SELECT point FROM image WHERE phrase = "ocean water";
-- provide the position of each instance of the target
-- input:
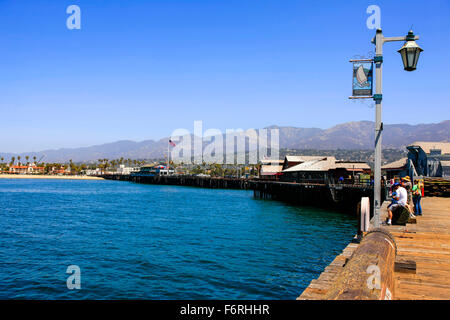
(136, 241)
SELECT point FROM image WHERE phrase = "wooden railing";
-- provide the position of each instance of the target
(369, 273)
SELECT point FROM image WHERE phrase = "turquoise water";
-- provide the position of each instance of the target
(135, 241)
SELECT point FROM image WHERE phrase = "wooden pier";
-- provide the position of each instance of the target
(183, 180)
(335, 196)
(420, 268)
(340, 196)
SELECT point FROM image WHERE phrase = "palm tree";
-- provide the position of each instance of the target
(34, 160)
(18, 160)
(100, 161)
(13, 159)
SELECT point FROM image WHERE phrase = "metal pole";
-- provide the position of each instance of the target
(379, 40)
(378, 125)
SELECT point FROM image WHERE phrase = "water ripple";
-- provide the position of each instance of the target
(135, 241)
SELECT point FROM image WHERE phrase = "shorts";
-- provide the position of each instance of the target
(394, 206)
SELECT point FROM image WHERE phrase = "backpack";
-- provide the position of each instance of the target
(400, 215)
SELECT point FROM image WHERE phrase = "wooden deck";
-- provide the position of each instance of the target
(427, 243)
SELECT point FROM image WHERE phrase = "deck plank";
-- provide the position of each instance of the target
(430, 248)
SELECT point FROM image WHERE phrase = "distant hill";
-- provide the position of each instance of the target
(360, 135)
(349, 136)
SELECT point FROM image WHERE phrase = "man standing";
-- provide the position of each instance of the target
(406, 183)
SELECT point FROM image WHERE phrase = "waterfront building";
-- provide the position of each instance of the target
(317, 170)
(395, 169)
(445, 168)
(271, 169)
(59, 170)
(93, 172)
(127, 170)
(291, 161)
(351, 172)
(428, 159)
(28, 169)
(326, 170)
(153, 170)
(18, 169)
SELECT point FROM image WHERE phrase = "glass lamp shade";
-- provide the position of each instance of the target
(410, 53)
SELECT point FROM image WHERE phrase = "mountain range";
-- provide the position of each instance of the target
(350, 135)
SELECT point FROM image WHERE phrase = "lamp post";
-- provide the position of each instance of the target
(410, 55)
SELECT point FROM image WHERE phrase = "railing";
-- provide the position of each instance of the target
(369, 274)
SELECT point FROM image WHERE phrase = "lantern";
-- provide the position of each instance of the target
(410, 52)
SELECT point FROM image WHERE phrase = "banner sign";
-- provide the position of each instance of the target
(362, 78)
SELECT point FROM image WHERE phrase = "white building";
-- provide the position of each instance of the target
(95, 172)
(127, 170)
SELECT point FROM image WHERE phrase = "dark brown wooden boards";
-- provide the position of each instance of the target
(406, 266)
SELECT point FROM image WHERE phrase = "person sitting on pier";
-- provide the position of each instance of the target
(401, 197)
(394, 199)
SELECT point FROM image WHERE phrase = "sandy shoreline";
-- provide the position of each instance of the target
(29, 176)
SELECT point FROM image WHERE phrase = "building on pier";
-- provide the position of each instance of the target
(327, 170)
(127, 170)
(291, 161)
(445, 168)
(271, 169)
(395, 169)
(352, 172)
(428, 159)
(153, 170)
(315, 171)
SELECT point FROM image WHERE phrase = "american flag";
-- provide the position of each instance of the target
(172, 143)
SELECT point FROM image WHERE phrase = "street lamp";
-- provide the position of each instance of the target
(410, 52)
(410, 55)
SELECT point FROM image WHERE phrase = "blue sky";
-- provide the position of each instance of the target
(140, 69)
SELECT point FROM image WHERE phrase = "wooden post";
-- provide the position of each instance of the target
(365, 214)
(369, 274)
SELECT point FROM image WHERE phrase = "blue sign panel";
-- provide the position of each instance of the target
(362, 78)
